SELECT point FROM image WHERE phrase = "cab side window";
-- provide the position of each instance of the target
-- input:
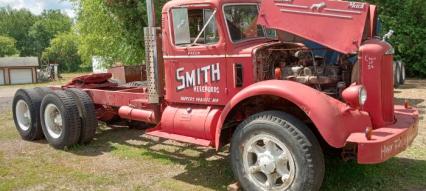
(194, 27)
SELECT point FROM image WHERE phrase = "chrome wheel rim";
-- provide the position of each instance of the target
(403, 71)
(268, 163)
(23, 115)
(53, 121)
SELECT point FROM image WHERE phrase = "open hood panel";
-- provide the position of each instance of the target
(338, 25)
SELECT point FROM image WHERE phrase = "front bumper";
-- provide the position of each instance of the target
(388, 141)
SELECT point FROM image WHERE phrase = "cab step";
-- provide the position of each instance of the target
(181, 138)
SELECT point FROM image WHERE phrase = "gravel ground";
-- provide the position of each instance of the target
(6, 96)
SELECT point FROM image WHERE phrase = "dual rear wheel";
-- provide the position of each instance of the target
(65, 118)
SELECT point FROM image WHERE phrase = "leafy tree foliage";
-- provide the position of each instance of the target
(408, 19)
(63, 50)
(17, 24)
(32, 33)
(7, 46)
(113, 29)
(49, 24)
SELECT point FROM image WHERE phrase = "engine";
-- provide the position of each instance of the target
(298, 63)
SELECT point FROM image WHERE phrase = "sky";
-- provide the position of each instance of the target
(37, 6)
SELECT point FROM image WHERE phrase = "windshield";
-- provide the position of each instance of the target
(241, 21)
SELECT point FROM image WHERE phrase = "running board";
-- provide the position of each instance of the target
(181, 138)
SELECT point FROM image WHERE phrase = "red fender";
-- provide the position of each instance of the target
(333, 119)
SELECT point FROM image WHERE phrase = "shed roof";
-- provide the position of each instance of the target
(18, 61)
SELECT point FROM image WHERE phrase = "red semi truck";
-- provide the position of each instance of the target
(238, 72)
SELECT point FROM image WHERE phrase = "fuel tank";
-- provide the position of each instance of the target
(193, 121)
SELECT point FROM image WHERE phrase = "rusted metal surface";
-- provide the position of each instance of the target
(144, 115)
(388, 141)
(126, 74)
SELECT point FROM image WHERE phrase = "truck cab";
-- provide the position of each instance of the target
(206, 46)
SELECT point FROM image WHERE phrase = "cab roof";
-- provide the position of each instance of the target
(217, 3)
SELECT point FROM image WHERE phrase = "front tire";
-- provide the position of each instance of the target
(60, 119)
(274, 151)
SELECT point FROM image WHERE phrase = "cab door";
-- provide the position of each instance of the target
(197, 65)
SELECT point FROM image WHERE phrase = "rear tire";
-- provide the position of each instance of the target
(87, 113)
(43, 91)
(277, 148)
(26, 109)
(60, 119)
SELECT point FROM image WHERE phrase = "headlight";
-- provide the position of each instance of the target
(362, 96)
(355, 96)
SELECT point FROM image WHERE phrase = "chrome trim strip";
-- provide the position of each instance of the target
(316, 13)
(211, 56)
(342, 11)
(291, 5)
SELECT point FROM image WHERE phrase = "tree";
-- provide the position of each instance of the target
(51, 23)
(63, 50)
(7, 46)
(16, 24)
(113, 29)
(408, 19)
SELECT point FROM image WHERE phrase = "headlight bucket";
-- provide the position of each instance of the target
(355, 96)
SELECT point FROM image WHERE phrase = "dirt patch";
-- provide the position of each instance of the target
(6, 97)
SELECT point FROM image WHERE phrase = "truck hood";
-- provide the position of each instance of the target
(338, 25)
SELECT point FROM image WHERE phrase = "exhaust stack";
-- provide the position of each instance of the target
(154, 59)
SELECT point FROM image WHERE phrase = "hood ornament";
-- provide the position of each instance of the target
(318, 6)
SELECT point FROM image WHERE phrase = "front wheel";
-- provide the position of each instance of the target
(275, 151)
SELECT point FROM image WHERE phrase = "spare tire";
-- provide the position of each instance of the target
(87, 113)
(26, 110)
(60, 119)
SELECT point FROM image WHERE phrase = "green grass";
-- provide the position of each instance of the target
(395, 174)
(128, 152)
(7, 127)
(123, 159)
(24, 172)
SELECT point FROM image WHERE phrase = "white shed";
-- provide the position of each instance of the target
(18, 70)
